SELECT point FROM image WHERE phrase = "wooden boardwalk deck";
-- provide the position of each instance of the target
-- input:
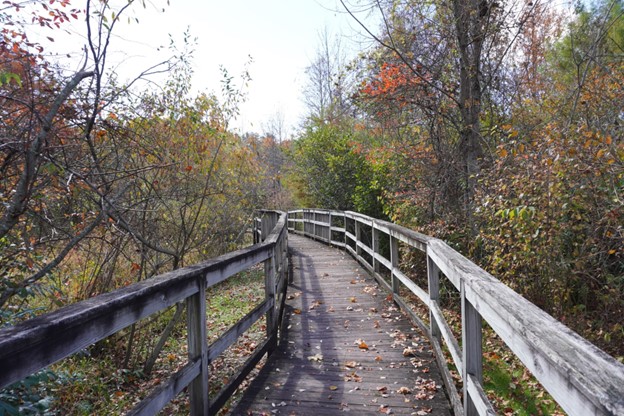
(346, 347)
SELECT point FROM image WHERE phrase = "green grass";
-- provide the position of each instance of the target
(95, 381)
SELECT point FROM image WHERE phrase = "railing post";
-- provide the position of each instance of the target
(375, 248)
(394, 259)
(269, 290)
(329, 239)
(358, 237)
(198, 348)
(433, 277)
(472, 354)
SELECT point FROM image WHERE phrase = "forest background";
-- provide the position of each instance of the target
(494, 125)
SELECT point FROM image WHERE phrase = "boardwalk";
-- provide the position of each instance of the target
(346, 347)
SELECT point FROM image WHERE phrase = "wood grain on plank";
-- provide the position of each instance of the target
(346, 347)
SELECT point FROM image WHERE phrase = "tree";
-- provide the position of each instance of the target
(325, 91)
(448, 54)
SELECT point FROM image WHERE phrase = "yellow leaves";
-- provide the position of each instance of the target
(333, 388)
(502, 152)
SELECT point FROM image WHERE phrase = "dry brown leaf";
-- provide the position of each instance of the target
(297, 311)
(404, 390)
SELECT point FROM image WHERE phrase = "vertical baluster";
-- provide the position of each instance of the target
(375, 247)
(394, 259)
(197, 348)
(433, 277)
(269, 290)
(472, 354)
(358, 238)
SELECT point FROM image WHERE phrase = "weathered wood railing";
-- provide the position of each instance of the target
(36, 343)
(583, 379)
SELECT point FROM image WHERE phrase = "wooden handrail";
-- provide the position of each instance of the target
(34, 344)
(583, 379)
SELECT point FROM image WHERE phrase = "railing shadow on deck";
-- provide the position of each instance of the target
(583, 379)
(34, 344)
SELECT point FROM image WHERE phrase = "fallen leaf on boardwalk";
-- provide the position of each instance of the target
(404, 390)
(349, 308)
(353, 299)
(316, 357)
(421, 396)
(330, 309)
(325, 274)
(376, 324)
(297, 311)
(361, 344)
(315, 304)
(382, 389)
(353, 281)
(353, 377)
(425, 370)
(351, 364)
(408, 352)
(424, 411)
(385, 409)
(389, 298)
(333, 388)
(378, 358)
(373, 310)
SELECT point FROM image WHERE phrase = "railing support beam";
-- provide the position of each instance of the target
(472, 355)
(198, 348)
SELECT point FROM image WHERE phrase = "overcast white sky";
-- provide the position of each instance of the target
(280, 35)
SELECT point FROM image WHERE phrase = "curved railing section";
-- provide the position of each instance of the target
(34, 344)
(583, 379)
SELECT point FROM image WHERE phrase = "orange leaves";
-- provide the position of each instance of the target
(361, 344)
(392, 79)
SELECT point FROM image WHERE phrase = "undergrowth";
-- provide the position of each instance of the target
(109, 378)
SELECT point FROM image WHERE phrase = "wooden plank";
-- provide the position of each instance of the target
(232, 334)
(228, 390)
(447, 334)
(168, 390)
(29, 346)
(472, 353)
(449, 383)
(582, 378)
(479, 398)
(318, 368)
(197, 349)
(413, 287)
(433, 280)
